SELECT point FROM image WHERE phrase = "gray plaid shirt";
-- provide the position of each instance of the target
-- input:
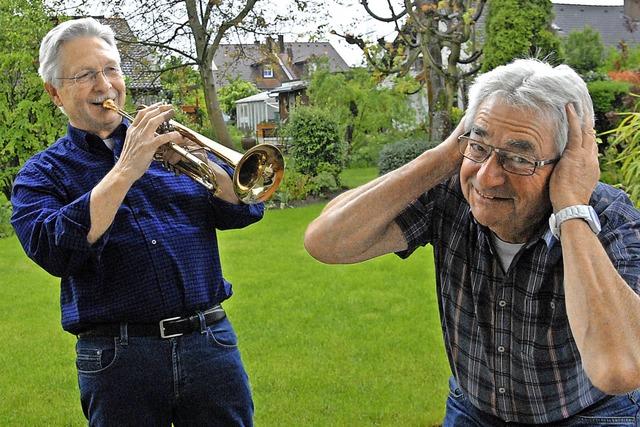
(507, 334)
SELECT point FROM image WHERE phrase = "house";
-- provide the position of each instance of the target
(614, 23)
(279, 71)
(138, 66)
(268, 65)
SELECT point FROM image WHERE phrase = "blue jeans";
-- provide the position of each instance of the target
(622, 411)
(197, 379)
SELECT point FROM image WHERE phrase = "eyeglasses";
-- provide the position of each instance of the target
(512, 162)
(83, 78)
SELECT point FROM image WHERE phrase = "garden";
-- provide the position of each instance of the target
(337, 345)
(323, 345)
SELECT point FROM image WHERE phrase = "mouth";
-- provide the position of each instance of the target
(485, 196)
(100, 100)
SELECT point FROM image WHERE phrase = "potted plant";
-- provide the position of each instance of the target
(248, 137)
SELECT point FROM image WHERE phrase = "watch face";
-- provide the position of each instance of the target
(595, 221)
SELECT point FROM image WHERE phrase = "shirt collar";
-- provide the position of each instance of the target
(543, 233)
(93, 143)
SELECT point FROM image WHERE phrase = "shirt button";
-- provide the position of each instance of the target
(501, 349)
(153, 242)
(502, 390)
(552, 304)
(502, 303)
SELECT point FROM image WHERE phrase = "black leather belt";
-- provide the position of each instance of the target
(166, 328)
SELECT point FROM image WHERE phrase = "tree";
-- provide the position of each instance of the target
(371, 113)
(235, 90)
(195, 29)
(28, 119)
(434, 43)
(517, 29)
(584, 50)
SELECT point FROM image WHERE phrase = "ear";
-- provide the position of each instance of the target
(53, 93)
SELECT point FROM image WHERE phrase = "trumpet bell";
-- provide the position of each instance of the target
(258, 173)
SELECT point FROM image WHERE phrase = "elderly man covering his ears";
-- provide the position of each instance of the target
(537, 263)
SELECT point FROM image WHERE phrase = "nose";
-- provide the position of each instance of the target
(101, 80)
(491, 173)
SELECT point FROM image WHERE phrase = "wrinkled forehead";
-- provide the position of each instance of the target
(87, 53)
(515, 127)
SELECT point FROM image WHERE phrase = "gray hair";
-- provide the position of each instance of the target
(50, 66)
(533, 85)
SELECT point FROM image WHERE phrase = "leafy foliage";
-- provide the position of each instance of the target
(28, 119)
(399, 153)
(235, 90)
(626, 143)
(517, 29)
(318, 150)
(371, 113)
(584, 50)
(622, 58)
(608, 97)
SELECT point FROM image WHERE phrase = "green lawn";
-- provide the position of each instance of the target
(355, 345)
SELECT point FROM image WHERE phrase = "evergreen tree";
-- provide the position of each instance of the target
(518, 29)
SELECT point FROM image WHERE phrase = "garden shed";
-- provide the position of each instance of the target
(256, 109)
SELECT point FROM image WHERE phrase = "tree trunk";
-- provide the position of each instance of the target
(439, 99)
(213, 107)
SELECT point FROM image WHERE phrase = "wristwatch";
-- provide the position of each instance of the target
(584, 212)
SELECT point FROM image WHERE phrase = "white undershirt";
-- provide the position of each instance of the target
(110, 143)
(506, 251)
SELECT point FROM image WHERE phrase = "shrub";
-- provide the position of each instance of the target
(608, 97)
(625, 152)
(399, 153)
(316, 140)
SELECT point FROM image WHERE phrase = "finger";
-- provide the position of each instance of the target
(147, 114)
(589, 140)
(575, 132)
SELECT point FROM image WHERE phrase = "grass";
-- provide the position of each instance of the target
(352, 178)
(354, 345)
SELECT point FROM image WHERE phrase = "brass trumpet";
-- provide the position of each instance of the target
(257, 173)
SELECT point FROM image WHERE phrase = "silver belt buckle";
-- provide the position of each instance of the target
(162, 334)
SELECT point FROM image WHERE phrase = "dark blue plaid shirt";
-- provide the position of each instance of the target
(507, 334)
(158, 259)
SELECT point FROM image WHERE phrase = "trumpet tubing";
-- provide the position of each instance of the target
(257, 173)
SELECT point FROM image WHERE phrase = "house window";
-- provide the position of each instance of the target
(267, 71)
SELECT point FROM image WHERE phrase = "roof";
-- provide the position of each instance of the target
(243, 60)
(610, 21)
(260, 97)
(291, 87)
(136, 59)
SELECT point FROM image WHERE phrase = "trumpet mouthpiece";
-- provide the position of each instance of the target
(109, 104)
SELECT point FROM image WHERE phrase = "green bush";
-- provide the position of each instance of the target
(316, 142)
(608, 97)
(399, 153)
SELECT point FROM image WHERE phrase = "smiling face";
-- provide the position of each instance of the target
(512, 206)
(83, 103)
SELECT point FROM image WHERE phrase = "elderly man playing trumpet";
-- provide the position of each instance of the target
(135, 248)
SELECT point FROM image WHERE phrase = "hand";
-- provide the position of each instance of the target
(172, 157)
(142, 140)
(576, 175)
